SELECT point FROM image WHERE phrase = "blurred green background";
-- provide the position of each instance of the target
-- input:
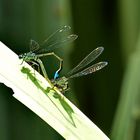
(110, 97)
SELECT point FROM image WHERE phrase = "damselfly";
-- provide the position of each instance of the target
(62, 83)
(55, 40)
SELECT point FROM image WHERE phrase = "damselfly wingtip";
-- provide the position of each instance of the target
(64, 28)
(72, 37)
(106, 63)
(100, 48)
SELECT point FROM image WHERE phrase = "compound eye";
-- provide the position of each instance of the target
(20, 56)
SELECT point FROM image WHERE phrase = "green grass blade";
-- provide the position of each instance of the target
(31, 89)
(128, 111)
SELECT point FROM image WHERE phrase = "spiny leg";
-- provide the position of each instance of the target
(35, 64)
(38, 63)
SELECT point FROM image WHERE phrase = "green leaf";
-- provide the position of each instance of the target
(40, 96)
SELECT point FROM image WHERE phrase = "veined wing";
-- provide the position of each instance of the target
(88, 59)
(55, 40)
(34, 46)
(90, 69)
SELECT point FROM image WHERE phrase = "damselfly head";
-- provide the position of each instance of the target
(21, 56)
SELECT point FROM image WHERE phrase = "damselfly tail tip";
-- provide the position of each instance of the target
(65, 28)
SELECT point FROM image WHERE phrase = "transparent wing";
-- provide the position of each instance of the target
(34, 46)
(55, 40)
(90, 69)
(88, 59)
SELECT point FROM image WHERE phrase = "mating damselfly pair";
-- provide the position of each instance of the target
(56, 40)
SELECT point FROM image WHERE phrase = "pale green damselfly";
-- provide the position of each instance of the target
(55, 40)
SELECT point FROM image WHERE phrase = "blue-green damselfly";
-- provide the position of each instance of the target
(80, 70)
